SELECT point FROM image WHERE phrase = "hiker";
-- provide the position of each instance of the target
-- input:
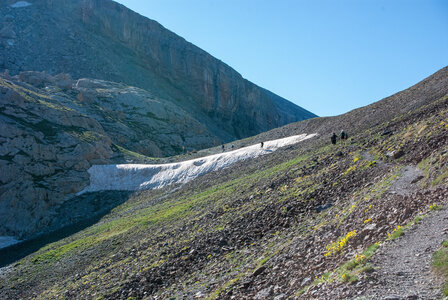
(222, 147)
(233, 146)
(333, 138)
(343, 135)
(262, 144)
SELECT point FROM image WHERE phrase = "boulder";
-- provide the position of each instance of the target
(34, 78)
(85, 83)
(7, 33)
(63, 81)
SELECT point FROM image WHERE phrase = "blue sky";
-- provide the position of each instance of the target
(327, 56)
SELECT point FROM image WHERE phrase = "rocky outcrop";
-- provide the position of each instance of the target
(45, 150)
(103, 39)
(137, 120)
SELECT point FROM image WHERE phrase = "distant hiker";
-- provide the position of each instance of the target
(222, 147)
(344, 135)
(262, 144)
(333, 138)
(233, 146)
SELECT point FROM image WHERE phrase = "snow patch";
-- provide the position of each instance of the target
(20, 4)
(6, 241)
(132, 177)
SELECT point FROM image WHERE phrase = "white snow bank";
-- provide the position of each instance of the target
(132, 177)
(6, 241)
(20, 4)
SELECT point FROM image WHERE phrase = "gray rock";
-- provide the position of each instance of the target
(264, 293)
(37, 79)
(280, 297)
(86, 83)
(306, 281)
(7, 33)
(42, 164)
(63, 81)
(398, 154)
(259, 271)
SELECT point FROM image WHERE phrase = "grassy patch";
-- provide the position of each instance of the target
(134, 155)
(349, 271)
(440, 264)
(396, 233)
(334, 247)
(435, 207)
(441, 178)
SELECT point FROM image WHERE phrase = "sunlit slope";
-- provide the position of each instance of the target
(301, 222)
(266, 222)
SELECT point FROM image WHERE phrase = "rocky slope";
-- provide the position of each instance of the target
(45, 150)
(104, 40)
(305, 222)
(54, 129)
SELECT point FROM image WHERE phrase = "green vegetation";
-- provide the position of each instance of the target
(440, 264)
(350, 271)
(396, 233)
(213, 234)
(435, 207)
(335, 247)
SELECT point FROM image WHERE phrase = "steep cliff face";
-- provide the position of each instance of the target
(105, 40)
(45, 150)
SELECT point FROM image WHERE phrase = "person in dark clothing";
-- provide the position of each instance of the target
(222, 147)
(262, 144)
(333, 138)
(343, 135)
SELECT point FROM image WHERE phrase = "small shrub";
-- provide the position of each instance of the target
(349, 277)
(435, 207)
(396, 233)
(440, 263)
(334, 247)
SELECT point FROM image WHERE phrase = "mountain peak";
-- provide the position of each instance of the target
(104, 40)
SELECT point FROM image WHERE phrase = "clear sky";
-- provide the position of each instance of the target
(328, 56)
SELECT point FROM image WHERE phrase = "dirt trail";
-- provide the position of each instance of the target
(405, 185)
(403, 266)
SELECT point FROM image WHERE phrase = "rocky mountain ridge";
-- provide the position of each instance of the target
(104, 40)
(90, 82)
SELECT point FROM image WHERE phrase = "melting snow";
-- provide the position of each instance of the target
(6, 241)
(141, 177)
(20, 4)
